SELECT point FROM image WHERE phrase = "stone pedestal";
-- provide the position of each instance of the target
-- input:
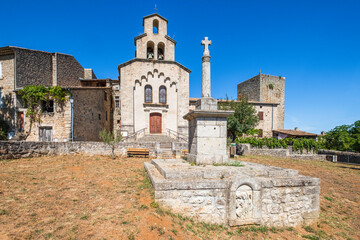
(207, 134)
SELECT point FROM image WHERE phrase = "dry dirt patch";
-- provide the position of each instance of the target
(96, 197)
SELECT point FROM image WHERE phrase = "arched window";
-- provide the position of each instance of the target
(150, 50)
(148, 94)
(155, 26)
(161, 51)
(162, 94)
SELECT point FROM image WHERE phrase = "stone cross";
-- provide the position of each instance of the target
(206, 85)
(206, 42)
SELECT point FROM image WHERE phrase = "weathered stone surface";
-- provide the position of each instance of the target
(252, 194)
(10, 149)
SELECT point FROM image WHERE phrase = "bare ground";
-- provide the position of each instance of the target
(84, 197)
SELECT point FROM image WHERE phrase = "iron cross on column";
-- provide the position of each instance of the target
(206, 42)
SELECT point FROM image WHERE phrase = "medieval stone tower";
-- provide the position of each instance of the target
(267, 93)
(154, 88)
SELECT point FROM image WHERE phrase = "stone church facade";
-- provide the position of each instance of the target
(154, 88)
(151, 94)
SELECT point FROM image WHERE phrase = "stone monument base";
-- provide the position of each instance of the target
(235, 195)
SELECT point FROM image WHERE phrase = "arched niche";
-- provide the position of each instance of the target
(150, 50)
(161, 51)
(156, 26)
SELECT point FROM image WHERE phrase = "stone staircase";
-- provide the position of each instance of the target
(165, 150)
(156, 138)
(165, 142)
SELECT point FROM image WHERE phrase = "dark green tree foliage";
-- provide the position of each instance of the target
(33, 95)
(4, 129)
(343, 138)
(244, 118)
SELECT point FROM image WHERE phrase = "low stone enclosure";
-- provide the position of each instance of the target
(22, 149)
(246, 149)
(343, 157)
(235, 195)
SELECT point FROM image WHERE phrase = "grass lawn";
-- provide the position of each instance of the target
(96, 197)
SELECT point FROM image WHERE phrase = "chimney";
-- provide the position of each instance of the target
(296, 128)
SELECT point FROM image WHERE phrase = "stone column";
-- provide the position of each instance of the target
(206, 85)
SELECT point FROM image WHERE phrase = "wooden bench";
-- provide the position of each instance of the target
(137, 152)
(184, 152)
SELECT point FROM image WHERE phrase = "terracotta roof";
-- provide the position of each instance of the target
(193, 99)
(297, 133)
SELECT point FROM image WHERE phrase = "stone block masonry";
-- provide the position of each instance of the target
(24, 149)
(251, 194)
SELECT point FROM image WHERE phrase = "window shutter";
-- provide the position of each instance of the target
(261, 115)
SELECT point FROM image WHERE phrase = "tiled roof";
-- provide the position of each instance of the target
(297, 133)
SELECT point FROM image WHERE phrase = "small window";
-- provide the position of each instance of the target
(99, 116)
(117, 102)
(106, 116)
(148, 94)
(261, 115)
(118, 121)
(162, 94)
(105, 96)
(47, 106)
(1, 70)
(155, 26)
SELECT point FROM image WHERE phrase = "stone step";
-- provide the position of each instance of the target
(157, 138)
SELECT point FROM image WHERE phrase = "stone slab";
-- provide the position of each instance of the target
(252, 194)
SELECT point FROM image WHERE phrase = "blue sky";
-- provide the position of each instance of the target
(314, 44)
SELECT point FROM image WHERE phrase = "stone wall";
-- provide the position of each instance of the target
(59, 121)
(250, 89)
(344, 157)
(246, 149)
(251, 194)
(7, 82)
(92, 113)
(23, 149)
(274, 94)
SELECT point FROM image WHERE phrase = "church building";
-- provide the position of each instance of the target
(153, 87)
(150, 96)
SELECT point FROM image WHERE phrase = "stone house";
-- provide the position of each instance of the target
(82, 118)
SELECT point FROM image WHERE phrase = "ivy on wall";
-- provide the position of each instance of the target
(298, 144)
(32, 97)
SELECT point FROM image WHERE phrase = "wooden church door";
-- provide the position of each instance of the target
(155, 122)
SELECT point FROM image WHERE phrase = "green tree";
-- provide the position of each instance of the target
(4, 129)
(109, 139)
(244, 118)
(343, 138)
(355, 134)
